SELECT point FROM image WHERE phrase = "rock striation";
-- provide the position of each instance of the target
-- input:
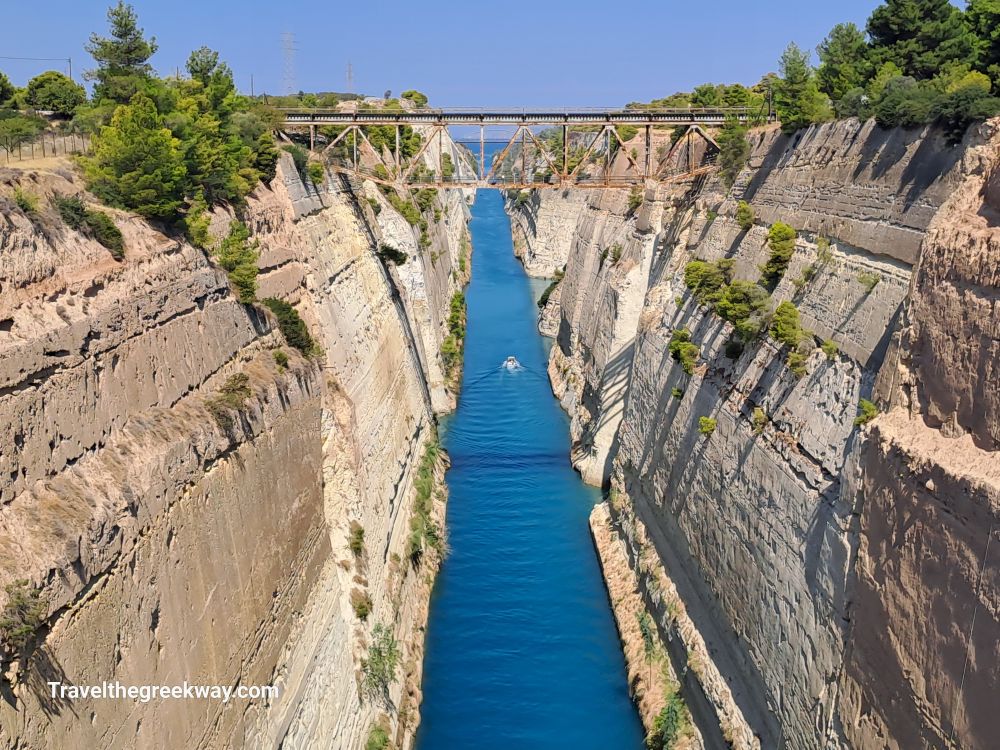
(173, 539)
(831, 571)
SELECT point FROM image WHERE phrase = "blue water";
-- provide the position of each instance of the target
(522, 650)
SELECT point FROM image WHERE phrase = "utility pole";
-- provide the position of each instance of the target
(288, 53)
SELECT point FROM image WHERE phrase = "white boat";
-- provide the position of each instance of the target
(511, 363)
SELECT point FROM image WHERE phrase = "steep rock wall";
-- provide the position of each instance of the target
(759, 523)
(169, 546)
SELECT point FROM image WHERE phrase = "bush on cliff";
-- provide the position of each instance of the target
(237, 255)
(682, 350)
(96, 224)
(744, 304)
(734, 150)
(781, 241)
(378, 668)
(22, 615)
(293, 328)
(744, 216)
(785, 325)
(867, 412)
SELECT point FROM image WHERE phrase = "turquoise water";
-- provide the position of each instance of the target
(522, 650)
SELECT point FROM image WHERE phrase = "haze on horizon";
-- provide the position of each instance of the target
(558, 53)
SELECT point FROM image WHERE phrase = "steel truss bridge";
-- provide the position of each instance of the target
(582, 147)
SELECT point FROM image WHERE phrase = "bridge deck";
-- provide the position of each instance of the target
(458, 116)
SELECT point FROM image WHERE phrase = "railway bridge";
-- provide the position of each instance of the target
(540, 148)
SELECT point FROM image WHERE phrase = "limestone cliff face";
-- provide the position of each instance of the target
(798, 544)
(169, 546)
(543, 228)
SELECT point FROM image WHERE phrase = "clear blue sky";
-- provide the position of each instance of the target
(556, 52)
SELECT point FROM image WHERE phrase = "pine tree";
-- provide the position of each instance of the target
(137, 162)
(123, 58)
(920, 36)
(983, 17)
(798, 99)
(843, 60)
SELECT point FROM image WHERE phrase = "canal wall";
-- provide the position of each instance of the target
(799, 543)
(195, 500)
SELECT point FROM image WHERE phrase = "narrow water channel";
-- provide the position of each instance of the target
(522, 650)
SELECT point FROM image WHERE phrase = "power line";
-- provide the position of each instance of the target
(67, 60)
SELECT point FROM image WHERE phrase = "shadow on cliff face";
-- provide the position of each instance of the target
(43, 669)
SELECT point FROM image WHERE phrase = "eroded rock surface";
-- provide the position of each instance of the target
(832, 571)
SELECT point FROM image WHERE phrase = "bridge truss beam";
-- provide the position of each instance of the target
(523, 161)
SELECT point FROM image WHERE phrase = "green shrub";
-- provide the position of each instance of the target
(238, 257)
(824, 255)
(418, 98)
(830, 349)
(356, 540)
(280, 359)
(378, 739)
(869, 280)
(232, 396)
(293, 328)
(706, 425)
(104, 230)
(796, 362)
(27, 202)
(781, 241)
(406, 208)
(447, 166)
(744, 216)
(706, 280)
(670, 724)
(22, 615)
(95, 224)
(759, 420)
(711, 215)
(376, 206)
(378, 669)
(616, 252)
(361, 603)
(317, 173)
(390, 254)
(785, 326)
(734, 150)
(424, 532)
(868, 412)
(682, 350)
(677, 392)
(744, 304)
(71, 210)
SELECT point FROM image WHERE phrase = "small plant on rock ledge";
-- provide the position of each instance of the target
(682, 350)
(706, 425)
(378, 670)
(357, 539)
(869, 280)
(759, 420)
(868, 412)
(22, 615)
(830, 349)
(361, 603)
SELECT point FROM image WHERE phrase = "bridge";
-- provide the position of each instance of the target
(543, 148)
